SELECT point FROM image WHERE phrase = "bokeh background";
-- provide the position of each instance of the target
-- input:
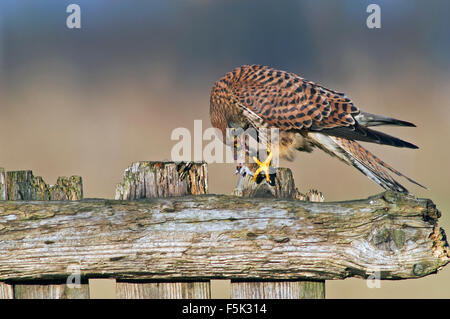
(91, 101)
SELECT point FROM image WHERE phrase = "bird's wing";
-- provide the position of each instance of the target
(287, 101)
(284, 100)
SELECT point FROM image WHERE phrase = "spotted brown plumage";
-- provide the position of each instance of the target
(307, 114)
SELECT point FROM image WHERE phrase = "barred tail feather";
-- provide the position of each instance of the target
(354, 154)
(368, 119)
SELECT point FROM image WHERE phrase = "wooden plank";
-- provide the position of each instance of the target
(162, 179)
(278, 290)
(6, 291)
(199, 237)
(102, 288)
(3, 190)
(163, 290)
(50, 292)
(312, 289)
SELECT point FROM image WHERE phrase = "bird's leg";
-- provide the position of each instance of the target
(241, 146)
(263, 166)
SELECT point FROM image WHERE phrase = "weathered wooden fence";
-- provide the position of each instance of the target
(148, 243)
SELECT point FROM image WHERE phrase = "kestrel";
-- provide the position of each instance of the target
(308, 115)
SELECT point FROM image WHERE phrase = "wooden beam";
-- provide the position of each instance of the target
(210, 236)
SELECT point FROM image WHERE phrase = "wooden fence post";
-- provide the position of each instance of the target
(50, 291)
(283, 188)
(6, 291)
(3, 191)
(162, 179)
(163, 290)
(23, 185)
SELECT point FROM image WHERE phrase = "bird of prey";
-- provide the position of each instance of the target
(308, 116)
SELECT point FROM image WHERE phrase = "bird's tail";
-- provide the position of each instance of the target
(354, 154)
(368, 119)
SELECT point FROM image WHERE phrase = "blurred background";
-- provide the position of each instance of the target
(90, 101)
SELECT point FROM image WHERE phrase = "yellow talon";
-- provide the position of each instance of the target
(263, 166)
